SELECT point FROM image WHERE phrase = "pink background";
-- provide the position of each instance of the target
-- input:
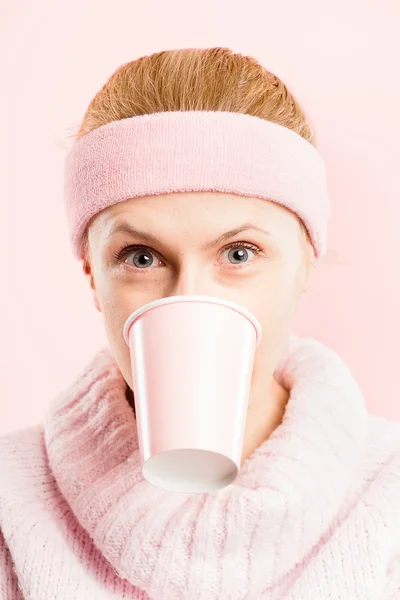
(339, 58)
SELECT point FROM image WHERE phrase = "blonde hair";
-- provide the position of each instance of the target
(213, 79)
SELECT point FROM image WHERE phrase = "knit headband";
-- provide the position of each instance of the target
(195, 151)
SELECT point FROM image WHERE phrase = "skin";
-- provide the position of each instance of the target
(269, 283)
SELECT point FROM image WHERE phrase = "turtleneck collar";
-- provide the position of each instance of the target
(249, 535)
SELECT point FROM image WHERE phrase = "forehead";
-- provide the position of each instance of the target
(215, 207)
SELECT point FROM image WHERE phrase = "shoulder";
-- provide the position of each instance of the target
(23, 460)
(382, 445)
(383, 435)
(381, 464)
(17, 443)
(22, 468)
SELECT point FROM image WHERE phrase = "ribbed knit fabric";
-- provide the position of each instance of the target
(193, 151)
(314, 513)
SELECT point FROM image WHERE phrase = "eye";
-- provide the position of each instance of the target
(239, 252)
(142, 257)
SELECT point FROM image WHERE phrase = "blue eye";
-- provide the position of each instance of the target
(143, 256)
(240, 252)
(143, 259)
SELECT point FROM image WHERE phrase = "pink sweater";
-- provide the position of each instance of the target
(314, 513)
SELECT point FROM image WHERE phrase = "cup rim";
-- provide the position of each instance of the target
(192, 298)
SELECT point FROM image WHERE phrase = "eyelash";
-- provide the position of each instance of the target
(121, 254)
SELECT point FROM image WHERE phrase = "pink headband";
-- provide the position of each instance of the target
(195, 151)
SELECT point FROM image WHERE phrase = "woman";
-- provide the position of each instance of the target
(195, 172)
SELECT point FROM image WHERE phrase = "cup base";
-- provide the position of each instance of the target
(190, 470)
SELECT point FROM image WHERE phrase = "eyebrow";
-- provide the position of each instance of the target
(126, 228)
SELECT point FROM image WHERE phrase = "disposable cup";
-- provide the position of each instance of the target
(192, 360)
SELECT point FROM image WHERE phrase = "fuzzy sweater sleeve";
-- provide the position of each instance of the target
(9, 589)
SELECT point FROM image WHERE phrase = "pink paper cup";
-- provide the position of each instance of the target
(192, 360)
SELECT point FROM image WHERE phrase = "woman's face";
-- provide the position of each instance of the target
(148, 248)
